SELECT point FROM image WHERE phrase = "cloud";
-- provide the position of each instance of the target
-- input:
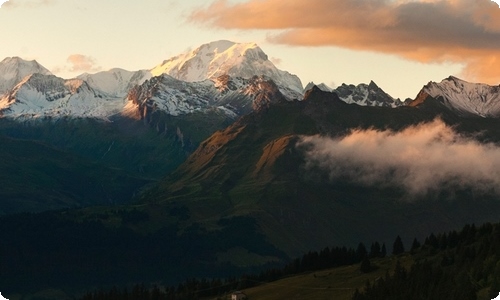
(420, 159)
(276, 60)
(428, 31)
(26, 3)
(82, 63)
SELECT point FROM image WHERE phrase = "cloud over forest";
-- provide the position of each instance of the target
(419, 159)
(428, 31)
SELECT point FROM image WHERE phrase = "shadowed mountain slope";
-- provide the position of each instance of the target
(255, 168)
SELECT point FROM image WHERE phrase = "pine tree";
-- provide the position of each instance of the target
(415, 245)
(383, 252)
(398, 246)
(375, 250)
(361, 252)
(365, 266)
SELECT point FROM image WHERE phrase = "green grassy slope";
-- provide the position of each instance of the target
(35, 177)
(337, 283)
(151, 149)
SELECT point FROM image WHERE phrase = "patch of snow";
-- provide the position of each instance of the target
(115, 82)
(41, 96)
(176, 97)
(215, 59)
(473, 98)
(14, 69)
(366, 95)
(321, 86)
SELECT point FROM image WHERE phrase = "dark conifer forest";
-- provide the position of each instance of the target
(455, 265)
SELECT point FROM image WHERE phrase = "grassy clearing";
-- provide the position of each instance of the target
(338, 283)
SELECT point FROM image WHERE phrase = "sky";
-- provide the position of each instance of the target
(399, 44)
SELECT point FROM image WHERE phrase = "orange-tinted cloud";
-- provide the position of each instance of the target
(429, 31)
(82, 63)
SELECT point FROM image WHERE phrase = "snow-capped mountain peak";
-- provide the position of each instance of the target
(464, 97)
(14, 69)
(115, 82)
(366, 95)
(39, 95)
(219, 58)
(322, 86)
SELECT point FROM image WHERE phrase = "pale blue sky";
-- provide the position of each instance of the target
(139, 34)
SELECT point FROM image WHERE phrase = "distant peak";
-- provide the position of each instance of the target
(373, 86)
(366, 95)
(13, 58)
(314, 91)
(17, 60)
(223, 57)
(454, 78)
(321, 86)
(464, 97)
(14, 69)
(462, 82)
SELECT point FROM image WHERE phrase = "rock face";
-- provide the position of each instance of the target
(462, 97)
(232, 96)
(366, 95)
(321, 86)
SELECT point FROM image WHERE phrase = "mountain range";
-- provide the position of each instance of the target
(215, 163)
(220, 74)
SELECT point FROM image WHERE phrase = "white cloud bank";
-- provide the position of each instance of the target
(420, 159)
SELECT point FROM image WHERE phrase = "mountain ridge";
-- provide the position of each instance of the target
(462, 97)
(241, 62)
(211, 60)
(14, 69)
(254, 167)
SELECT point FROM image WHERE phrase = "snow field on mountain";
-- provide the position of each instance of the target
(474, 98)
(195, 84)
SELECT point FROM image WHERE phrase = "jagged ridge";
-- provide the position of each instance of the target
(463, 97)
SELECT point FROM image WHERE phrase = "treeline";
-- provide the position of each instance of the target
(454, 265)
(203, 288)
